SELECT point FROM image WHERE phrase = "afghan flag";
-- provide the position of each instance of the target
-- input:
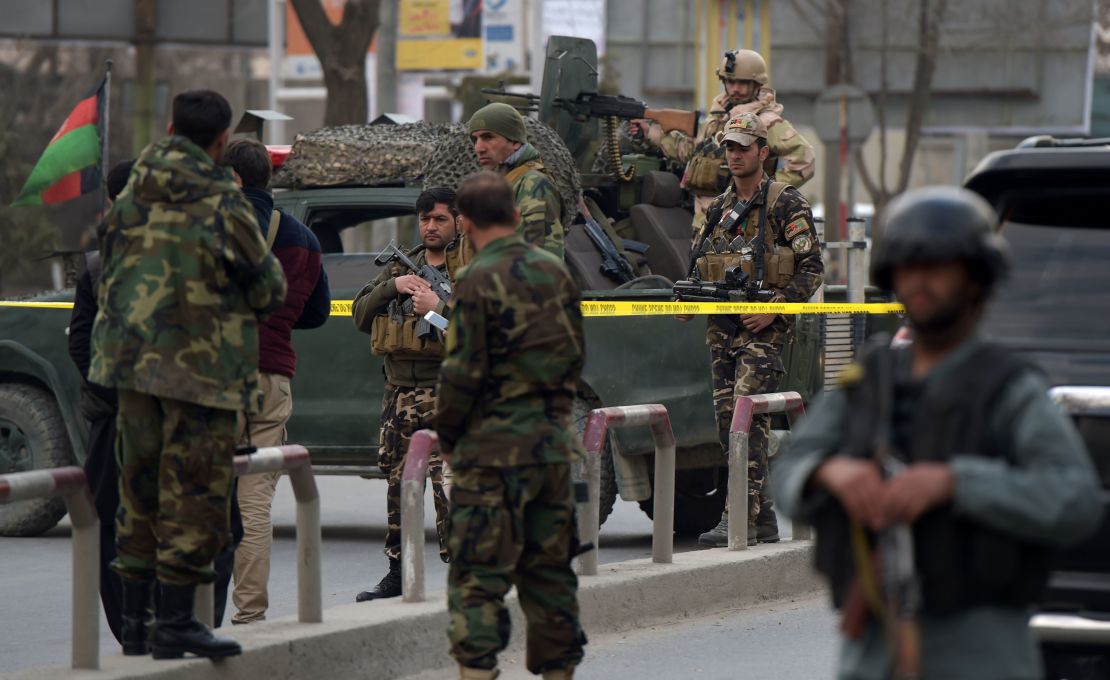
(71, 165)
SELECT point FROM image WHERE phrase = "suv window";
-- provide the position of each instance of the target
(354, 229)
(1059, 287)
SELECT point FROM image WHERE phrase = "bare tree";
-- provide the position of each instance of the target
(342, 53)
(930, 14)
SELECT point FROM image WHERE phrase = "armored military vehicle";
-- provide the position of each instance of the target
(338, 386)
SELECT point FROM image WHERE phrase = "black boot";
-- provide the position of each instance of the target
(766, 522)
(177, 631)
(136, 617)
(389, 586)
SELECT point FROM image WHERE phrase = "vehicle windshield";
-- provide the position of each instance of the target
(1058, 292)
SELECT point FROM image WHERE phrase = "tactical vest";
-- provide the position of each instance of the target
(707, 172)
(759, 256)
(396, 332)
(959, 562)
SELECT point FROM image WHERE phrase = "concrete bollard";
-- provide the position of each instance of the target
(297, 463)
(597, 430)
(71, 485)
(413, 482)
(738, 455)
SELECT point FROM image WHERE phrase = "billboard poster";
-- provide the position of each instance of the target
(439, 35)
(504, 30)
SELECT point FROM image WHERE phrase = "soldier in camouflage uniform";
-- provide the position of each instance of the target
(777, 246)
(186, 276)
(501, 144)
(514, 356)
(410, 366)
(743, 73)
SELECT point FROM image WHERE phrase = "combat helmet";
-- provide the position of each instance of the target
(937, 224)
(744, 65)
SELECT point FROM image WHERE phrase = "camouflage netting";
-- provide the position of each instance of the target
(360, 155)
(435, 153)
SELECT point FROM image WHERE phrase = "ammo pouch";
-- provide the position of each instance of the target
(401, 340)
(712, 266)
(778, 266)
(707, 174)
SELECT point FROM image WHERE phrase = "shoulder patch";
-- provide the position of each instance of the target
(801, 244)
(796, 227)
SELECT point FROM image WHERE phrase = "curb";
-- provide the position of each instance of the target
(394, 639)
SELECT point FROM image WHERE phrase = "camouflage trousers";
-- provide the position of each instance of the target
(175, 474)
(748, 367)
(404, 411)
(513, 526)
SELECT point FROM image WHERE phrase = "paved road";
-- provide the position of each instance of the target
(35, 573)
(793, 640)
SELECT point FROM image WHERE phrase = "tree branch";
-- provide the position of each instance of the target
(929, 19)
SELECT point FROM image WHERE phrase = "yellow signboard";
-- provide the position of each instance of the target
(440, 35)
(425, 17)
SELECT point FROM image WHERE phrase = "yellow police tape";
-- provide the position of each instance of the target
(634, 308)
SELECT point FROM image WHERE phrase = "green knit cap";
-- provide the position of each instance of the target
(500, 118)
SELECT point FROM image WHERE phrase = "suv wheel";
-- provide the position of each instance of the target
(32, 437)
(699, 500)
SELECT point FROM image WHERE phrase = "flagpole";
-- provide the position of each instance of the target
(104, 139)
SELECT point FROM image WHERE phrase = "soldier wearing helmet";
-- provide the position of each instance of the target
(764, 228)
(744, 76)
(950, 445)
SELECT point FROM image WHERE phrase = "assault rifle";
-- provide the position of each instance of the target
(886, 583)
(439, 282)
(613, 265)
(595, 105)
(736, 287)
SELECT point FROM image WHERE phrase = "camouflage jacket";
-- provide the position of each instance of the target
(789, 222)
(541, 208)
(514, 355)
(186, 276)
(373, 300)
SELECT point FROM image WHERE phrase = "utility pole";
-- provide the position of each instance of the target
(276, 26)
(143, 90)
(385, 77)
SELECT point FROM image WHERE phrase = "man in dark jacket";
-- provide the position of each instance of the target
(307, 305)
(98, 406)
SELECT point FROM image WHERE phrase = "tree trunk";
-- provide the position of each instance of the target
(347, 95)
(342, 53)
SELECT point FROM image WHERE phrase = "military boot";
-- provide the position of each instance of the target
(136, 617)
(717, 537)
(559, 673)
(177, 631)
(389, 586)
(467, 673)
(767, 523)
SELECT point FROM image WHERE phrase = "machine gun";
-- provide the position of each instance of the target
(439, 282)
(737, 286)
(595, 105)
(613, 265)
(570, 103)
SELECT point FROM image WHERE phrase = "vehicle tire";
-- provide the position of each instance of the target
(699, 500)
(32, 437)
(608, 489)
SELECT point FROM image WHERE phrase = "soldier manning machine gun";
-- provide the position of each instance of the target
(439, 282)
(571, 104)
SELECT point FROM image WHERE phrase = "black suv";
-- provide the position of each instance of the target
(1053, 198)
